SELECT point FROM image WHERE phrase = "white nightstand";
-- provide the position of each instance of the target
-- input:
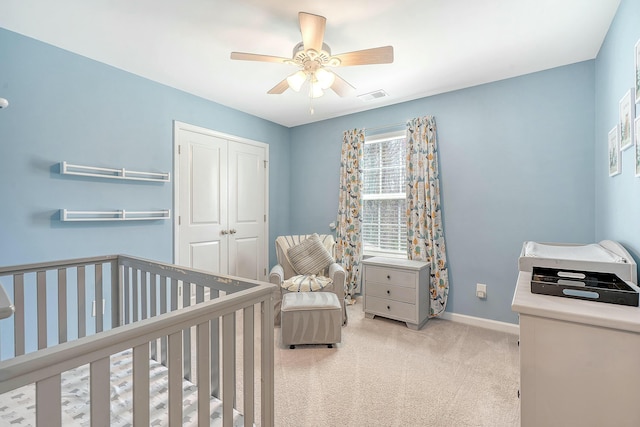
(397, 289)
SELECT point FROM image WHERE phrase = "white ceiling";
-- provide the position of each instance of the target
(440, 45)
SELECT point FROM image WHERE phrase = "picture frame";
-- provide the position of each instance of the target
(637, 73)
(626, 108)
(615, 158)
(636, 134)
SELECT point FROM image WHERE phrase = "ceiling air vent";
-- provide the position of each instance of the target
(373, 95)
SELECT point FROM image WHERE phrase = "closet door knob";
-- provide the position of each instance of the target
(223, 232)
(232, 231)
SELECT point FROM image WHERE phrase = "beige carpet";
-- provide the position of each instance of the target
(384, 374)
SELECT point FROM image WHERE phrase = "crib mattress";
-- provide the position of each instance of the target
(17, 407)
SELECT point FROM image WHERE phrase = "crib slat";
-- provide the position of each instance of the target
(199, 294)
(153, 279)
(228, 368)
(99, 392)
(82, 308)
(248, 368)
(175, 379)
(144, 300)
(49, 402)
(99, 298)
(204, 389)
(186, 294)
(214, 357)
(116, 303)
(215, 351)
(186, 333)
(232, 376)
(163, 294)
(134, 291)
(62, 305)
(18, 314)
(141, 385)
(174, 294)
(163, 309)
(127, 298)
(266, 363)
(41, 283)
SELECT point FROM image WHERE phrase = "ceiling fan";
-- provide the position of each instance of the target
(312, 56)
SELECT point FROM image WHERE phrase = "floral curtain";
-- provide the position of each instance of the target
(425, 234)
(349, 224)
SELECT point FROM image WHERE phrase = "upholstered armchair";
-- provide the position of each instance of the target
(284, 271)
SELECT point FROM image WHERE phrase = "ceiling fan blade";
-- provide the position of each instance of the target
(376, 55)
(255, 57)
(279, 88)
(312, 30)
(341, 87)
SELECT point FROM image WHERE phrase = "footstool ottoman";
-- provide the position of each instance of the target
(311, 318)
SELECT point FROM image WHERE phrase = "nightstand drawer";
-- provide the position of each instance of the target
(392, 292)
(390, 276)
(392, 309)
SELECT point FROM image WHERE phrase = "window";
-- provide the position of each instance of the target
(384, 225)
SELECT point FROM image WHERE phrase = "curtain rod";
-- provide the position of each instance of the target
(393, 125)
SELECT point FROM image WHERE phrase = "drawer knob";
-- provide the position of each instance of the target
(388, 307)
(388, 277)
(388, 292)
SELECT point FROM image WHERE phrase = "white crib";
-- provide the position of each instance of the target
(169, 345)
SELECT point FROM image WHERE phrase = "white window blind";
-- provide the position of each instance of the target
(384, 227)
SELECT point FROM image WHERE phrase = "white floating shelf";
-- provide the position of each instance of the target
(113, 215)
(69, 169)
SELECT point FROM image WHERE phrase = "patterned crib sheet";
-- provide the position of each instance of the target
(17, 407)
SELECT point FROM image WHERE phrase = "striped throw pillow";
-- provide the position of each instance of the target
(309, 256)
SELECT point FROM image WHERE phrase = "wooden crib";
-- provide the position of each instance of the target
(141, 343)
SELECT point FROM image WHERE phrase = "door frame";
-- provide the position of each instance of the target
(177, 126)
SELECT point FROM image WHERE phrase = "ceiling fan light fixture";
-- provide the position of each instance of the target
(325, 78)
(296, 80)
(312, 55)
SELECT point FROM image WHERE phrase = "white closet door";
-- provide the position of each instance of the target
(222, 187)
(247, 216)
(203, 201)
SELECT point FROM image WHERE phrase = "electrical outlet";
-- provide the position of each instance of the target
(481, 290)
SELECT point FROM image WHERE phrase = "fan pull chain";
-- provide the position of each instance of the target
(311, 110)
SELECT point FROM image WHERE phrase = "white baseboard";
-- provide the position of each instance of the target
(509, 328)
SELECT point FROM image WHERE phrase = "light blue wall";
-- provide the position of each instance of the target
(516, 162)
(617, 198)
(67, 107)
